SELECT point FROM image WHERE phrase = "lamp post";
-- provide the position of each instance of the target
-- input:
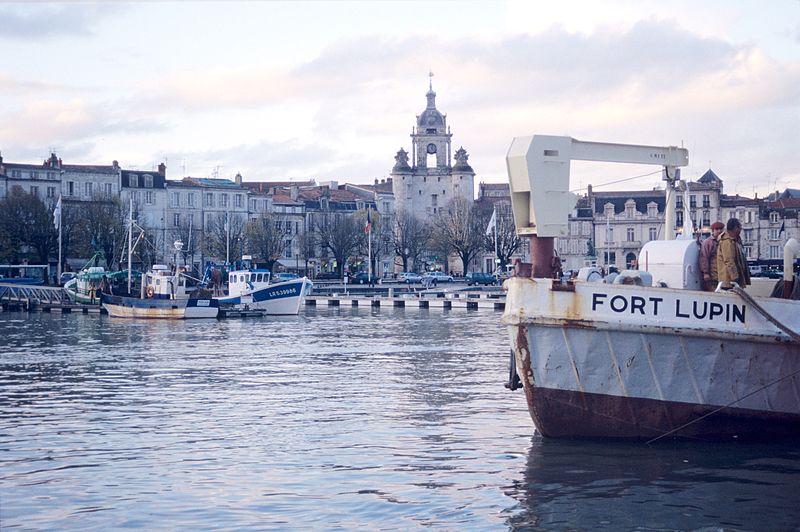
(178, 247)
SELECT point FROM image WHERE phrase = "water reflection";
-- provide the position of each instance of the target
(670, 486)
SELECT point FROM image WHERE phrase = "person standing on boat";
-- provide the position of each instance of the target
(731, 261)
(708, 257)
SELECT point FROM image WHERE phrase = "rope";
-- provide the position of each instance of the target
(793, 335)
(724, 406)
(744, 295)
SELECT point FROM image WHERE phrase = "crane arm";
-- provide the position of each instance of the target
(538, 173)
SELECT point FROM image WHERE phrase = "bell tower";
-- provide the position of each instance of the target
(431, 137)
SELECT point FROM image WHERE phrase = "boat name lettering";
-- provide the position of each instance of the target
(284, 292)
(203, 302)
(651, 306)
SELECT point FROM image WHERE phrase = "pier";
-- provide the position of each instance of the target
(40, 298)
(426, 299)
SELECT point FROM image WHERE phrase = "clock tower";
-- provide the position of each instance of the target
(431, 181)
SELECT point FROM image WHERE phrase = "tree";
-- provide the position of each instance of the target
(25, 221)
(264, 240)
(222, 232)
(462, 228)
(101, 227)
(410, 238)
(342, 236)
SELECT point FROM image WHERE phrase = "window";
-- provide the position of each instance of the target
(70, 188)
(679, 219)
(237, 200)
(148, 181)
(190, 199)
(773, 217)
(773, 235)
(630, 234)
(775, 252)
(87, 189)
(253, 204)
(223, 200)
(34, 175)
(176, 219)
(148, 197)
(209, 199)
(288, 249)
(610, 235)
(133, 180)
(16, 173)
(706, 218)
(706, 201)
(51, 175)
(692, 202)
(653, 233)
(748, 251)
(51, 192)
(109, 189)
(35, 191)
(176, 199)
(679, 202)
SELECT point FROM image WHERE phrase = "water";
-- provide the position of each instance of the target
(349, 419)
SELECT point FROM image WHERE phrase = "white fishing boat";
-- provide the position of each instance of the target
(86, 286)
(650, 355)
(163, 292)
(164, 295)
(251, 288)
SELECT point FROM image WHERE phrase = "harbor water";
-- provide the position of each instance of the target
(336, 419)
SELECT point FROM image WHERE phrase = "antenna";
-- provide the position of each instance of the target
(430, 80)
(183, 166)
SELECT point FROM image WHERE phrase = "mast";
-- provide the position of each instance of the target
(130, 243)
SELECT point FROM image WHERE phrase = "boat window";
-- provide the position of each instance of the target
(248, 277)
(258, 278)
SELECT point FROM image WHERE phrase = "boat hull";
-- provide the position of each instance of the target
(629, 376)
(76, 296)
(283, 298)
(133, 307)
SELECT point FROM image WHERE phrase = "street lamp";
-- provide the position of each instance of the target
(178, 247)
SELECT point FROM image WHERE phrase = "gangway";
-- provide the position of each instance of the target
(31, 295)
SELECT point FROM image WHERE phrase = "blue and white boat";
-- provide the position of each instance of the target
(251, 288)
(164, 295)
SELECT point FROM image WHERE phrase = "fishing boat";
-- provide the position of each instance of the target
(649, 355)
(164, 294)
(85, 287)
(252, 288)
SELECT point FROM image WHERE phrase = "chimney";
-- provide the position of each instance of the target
(162, 169)
(115, 165)
(294, 192)
(59, 162)
(376, 180)
(238, 179)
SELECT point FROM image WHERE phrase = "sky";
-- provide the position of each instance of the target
(330, 90)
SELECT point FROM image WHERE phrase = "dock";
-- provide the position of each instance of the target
(427, 299)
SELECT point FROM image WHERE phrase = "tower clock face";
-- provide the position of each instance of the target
(431, 148)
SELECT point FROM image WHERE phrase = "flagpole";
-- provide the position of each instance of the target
(130, 243)
(496, 257)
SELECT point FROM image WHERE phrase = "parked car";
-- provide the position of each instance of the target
(327, 276)
(285, 276)
(475, 278)
(436, 277)
(363, 278)
(409, 277)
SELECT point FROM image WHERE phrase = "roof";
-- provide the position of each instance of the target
(737, 201)
(211, 182)
(709, 177)
(618, 199)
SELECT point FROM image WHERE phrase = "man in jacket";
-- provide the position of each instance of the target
(708, 257)
(731, 261)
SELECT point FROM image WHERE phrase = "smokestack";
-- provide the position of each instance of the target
(162, 169)
(238, 179)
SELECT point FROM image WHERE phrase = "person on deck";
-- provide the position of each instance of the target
(708, 257)
(731, 260)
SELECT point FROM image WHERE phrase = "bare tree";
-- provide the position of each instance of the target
(222, 233)
(264, 240)
(462, 228)
(410, 238)
(26, 221)
(341, 235)
(101, 228)
(508, 241)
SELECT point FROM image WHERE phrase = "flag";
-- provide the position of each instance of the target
(368, 226)
(783, 228)
(492, 224)
(57, 214)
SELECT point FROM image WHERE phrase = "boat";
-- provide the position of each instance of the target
(250, 287)
(164, 294)
(85, 287)
(648, 355)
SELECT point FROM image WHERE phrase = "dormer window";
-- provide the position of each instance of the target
(133, 180)
(148, 181)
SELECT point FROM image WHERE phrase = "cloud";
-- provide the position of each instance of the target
(34, 21)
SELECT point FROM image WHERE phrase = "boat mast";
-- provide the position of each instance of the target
(130, 242)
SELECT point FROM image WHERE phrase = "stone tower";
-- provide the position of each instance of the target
(431, 181)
